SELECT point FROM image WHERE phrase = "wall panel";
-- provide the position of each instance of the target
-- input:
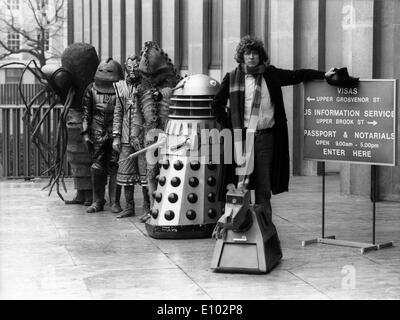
(78, 20)
(117, 32)
(133, 38)
(183, 34)
(198, 43)
(95, 25)
(105, 30)
(87, 23)
(170, 28)
(151, 20)
(215, 34)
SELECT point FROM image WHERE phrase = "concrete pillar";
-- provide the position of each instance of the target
(87, 24)
(333, 35)
(260, 20)
(133, 38)
(116, 30)
(198, 43)
(170, 29)
(70, 22)
(282, 51)
(96, 25)
(387, 66)
(333, 49)
(357, 29)
(78, 21)
(234, 27)
(309, 53)
(150, 20)
(105, 32)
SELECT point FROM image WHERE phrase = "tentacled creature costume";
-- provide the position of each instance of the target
(98, 104)
(154, 92)
(61, 85)
(128, 137)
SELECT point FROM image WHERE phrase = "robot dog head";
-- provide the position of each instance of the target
(237, 216)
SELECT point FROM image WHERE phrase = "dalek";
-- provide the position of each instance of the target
(186, 202)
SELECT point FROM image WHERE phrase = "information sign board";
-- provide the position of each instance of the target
(351, 124)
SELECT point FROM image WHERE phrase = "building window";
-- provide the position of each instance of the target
(13, 41)
(46, 39)
(13, 4)
(42, 5)
(13, 75)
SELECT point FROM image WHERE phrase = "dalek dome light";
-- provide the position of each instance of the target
(197, 85)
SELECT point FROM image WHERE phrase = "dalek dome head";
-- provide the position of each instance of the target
(197, 85)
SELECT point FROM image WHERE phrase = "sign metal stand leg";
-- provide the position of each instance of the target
(374, 176)
(365, 247)
(320, 240)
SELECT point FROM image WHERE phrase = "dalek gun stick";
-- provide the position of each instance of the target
(162, 140)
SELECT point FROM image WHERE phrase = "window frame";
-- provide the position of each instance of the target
(13, 40)
(13, 4)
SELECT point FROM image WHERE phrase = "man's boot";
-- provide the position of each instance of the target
(78, 199)
(146, 205)
(114, 192)
(130, 203)
(99, 181)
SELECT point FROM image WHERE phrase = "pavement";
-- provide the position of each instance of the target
(52, 251)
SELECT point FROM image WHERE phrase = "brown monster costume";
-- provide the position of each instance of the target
(98, 104)
(154, 92)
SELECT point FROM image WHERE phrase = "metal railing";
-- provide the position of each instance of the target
(19, 157)
(9, 93)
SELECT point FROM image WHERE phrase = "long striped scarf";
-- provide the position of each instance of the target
(237, 94)
(236, 97)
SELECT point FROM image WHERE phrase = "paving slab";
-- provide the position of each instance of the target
(52, 251)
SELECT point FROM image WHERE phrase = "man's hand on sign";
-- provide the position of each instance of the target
(340, 77)
(330, 72)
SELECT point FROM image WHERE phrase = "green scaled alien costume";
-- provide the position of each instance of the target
(154, 92)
